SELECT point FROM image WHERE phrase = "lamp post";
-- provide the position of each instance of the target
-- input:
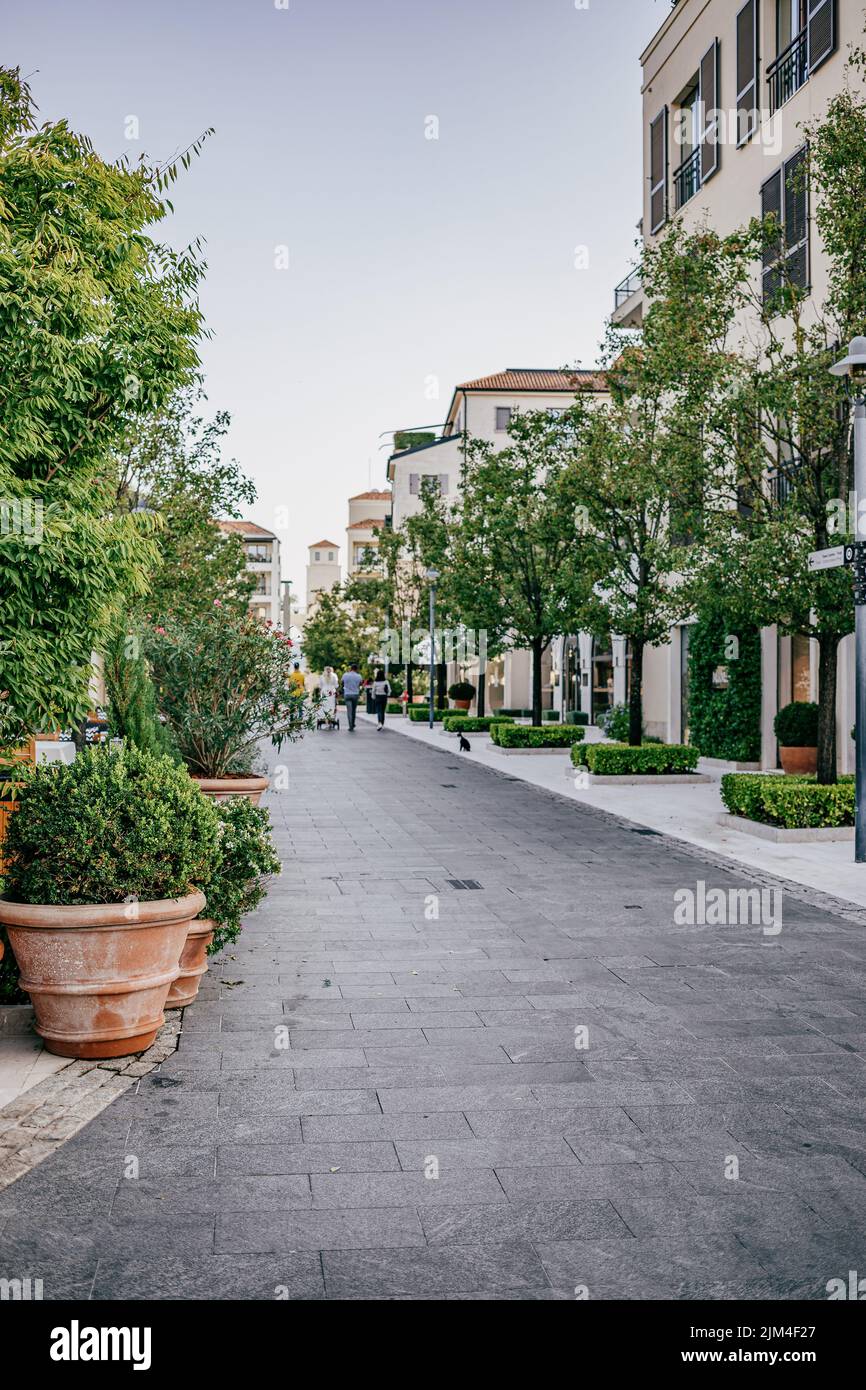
(432, 575)
(853, 368)
(287, 606)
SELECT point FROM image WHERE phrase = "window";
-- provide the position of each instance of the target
(330, 557)
(786, 259)
(503, 417)
(263, 584)
(258, 552)
(747, 71)
(317, 557)
(659, 171)
(414, 484)
(806, 35)
(697, 128)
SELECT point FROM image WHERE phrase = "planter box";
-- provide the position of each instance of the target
(645, 779)
(781, 835)
(528, 752)
(17, 1021)
(724, 765)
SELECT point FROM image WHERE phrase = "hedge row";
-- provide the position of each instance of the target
(620, 760)
(462, 724)
(420, 714)
(533, 736)
(794, 803)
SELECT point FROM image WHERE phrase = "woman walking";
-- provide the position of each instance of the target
(381, 691)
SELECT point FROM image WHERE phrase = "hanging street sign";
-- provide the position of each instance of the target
(829, 559)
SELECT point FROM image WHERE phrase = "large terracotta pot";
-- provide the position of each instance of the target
(461, 704)
(193, 963)
(799, 760)
(99, 975)
(220, 788)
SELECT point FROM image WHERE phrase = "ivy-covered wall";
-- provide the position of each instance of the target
(725, 718)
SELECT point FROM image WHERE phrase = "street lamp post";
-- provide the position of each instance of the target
(853, 367)
(287, 606)
(432, 575)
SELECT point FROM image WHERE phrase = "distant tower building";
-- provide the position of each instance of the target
(323, 571)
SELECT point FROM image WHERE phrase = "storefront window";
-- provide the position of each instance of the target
(602, 675)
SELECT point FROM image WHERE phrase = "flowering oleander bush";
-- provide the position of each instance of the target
(223, 685)
(795, 803)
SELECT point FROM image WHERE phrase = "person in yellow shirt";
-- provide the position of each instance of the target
(297, 683)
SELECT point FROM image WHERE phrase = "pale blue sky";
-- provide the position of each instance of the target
(409, 258)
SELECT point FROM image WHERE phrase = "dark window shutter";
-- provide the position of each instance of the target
(747, 71)
(711, 150)
(796, 200)
(659, 170)
(821, 32)
(771, 203)
(414, 482)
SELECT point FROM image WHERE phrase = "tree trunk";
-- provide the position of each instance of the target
(537, 654)
(828, 648)
(481, 694)
(441, 685)
(635, 699)
(409, 680)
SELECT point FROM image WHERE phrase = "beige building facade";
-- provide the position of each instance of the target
(369, 513)
(262, 550)
(728, 89)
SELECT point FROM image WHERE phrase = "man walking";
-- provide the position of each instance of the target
(351, 692)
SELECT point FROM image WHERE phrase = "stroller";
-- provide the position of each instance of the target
(327, 716)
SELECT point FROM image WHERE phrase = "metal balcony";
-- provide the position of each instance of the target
(628, 301)
(789, 71)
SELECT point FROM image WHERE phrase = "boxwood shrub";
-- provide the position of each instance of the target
(534, 736)
(517, 713)
(420, 714)
(550, 716)
(109, 827)
(576, 716)
(796, 725)
(393, 707)
(462, 724)
(650, 759)
(794, 803)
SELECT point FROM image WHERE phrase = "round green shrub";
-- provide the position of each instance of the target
(796, 725)
(247, 857)
(111, 826)
(461, 690)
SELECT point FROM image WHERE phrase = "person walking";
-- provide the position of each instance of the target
(381, 691)
(328, 688)
(351, 692)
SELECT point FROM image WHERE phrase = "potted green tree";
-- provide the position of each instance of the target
(462, 693)
(104, 858)
(223, 686)
(234, 887)
(796, 728)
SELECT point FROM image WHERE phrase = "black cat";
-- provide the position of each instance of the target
(465, 745)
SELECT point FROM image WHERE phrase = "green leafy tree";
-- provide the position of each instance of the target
(333, 635)
(171, 463)
(99, 326)
(513, 555)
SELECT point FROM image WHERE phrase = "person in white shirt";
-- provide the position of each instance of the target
(381, 691)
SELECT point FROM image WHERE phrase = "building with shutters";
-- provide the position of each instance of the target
(369, 513)
(262, 551)
(323, 571)
(482, 409)
(727, 88)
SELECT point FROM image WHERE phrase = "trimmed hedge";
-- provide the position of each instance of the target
(393, 707)
(420, 714)
(576, 716)
(516, 713)
(463, 724)
(620, 760)
(533, 736)
(550, 716)
(794, 803)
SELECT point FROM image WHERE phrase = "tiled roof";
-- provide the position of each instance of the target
(324, 545)
(374, 522)
(246, 528)
(536, 379)
(372, 496)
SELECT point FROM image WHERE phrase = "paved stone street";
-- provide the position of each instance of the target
(379, 1093)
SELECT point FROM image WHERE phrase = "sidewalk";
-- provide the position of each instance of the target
(686, 813)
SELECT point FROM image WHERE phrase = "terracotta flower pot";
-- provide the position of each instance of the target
(99, 975)
(193, 963)
(799, 760)
(462, 704)
(220, 788)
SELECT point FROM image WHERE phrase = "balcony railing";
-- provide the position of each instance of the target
(626, 288)
(789, 71)
(687, 179)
